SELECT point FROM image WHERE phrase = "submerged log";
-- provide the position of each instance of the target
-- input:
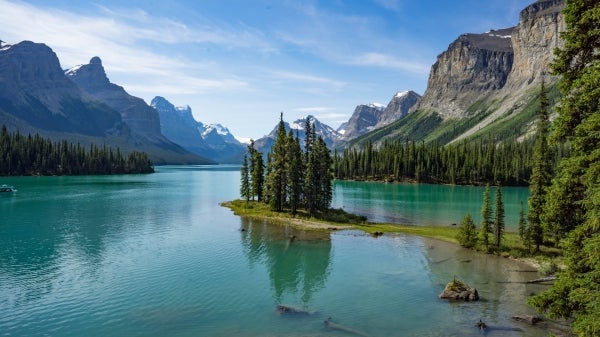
(285, 309)
(329, 322)
(531, 319)
(459, 291)
(543, 279)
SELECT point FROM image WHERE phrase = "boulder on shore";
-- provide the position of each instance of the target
(456, 290)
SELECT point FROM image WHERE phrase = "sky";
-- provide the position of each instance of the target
(240, 63)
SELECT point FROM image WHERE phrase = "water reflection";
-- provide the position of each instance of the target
(298, 262)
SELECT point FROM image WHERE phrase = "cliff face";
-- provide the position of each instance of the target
(36, 95)
(474, 65)
(92, 79)
(500, 62)
(534, 41)
(209, 141)
(398, 107)
(486, 83)
(363, 120)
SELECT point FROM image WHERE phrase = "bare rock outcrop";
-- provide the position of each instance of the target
(459, 291)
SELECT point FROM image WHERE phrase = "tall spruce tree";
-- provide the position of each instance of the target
(486, 219)
(295, 172)
(499, 219)
(576, 292)
(467, 232)
(524, 229)
(257, 169)
(245, 179)
(324, 175)
(541, 172)
(311, 173)
(278, 169)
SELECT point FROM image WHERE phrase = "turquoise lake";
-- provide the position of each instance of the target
(155, 255)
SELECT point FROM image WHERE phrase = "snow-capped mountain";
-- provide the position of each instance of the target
(364, 118)
(326, 132)
(213, 141)
(368, 117)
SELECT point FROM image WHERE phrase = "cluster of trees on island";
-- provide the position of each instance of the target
(35, 155)
(292, 178)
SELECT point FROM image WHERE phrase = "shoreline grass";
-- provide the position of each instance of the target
(337, 219)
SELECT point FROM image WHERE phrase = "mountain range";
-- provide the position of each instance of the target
(483, 84)
(212, 140)
(83, 106)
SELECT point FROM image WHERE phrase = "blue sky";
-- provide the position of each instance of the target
(242, 62)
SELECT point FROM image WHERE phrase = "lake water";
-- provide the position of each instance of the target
(155, 255)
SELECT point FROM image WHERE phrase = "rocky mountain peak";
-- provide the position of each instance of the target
(91, 75)
(36, 68)
(474, 66)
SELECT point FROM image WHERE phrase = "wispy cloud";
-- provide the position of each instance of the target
(389, 61)
(394, 5)
(120, 38)
(332, 84)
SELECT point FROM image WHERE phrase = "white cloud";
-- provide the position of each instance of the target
(394, 5)
(120, 37)
(389, 61)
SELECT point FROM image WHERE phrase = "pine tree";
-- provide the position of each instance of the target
(256, 172)
(486, 219)
(467, 233)
(295, 172)
(541, 172)
(311, 169)
(524, 229)
(245, 179)
(278, 172)
(576, 292)
(499, 219)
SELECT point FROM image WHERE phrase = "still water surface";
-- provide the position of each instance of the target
(155, 255)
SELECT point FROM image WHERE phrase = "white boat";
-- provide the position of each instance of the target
(6, 188)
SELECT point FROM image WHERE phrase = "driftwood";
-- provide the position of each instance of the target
(285, 309)
(329, 322)
(531, 319)
(543, 279)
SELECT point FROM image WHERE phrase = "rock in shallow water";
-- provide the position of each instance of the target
(459, 291)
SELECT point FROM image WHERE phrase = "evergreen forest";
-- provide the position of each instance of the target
(465, 163)
(34, 155)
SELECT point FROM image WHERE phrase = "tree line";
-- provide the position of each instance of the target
(465, 163)
(35, 155)
(293, 178)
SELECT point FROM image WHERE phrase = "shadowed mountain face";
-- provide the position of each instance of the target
(37, 97)
(92, 79)
(210, 141)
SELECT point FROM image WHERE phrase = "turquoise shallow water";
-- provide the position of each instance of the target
(424, 204)
(155, 255)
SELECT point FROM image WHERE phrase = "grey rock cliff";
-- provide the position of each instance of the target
(474, 65)
(210, 141)
(92, 79)
(363, 119)
(35, 95)
(398, 107)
